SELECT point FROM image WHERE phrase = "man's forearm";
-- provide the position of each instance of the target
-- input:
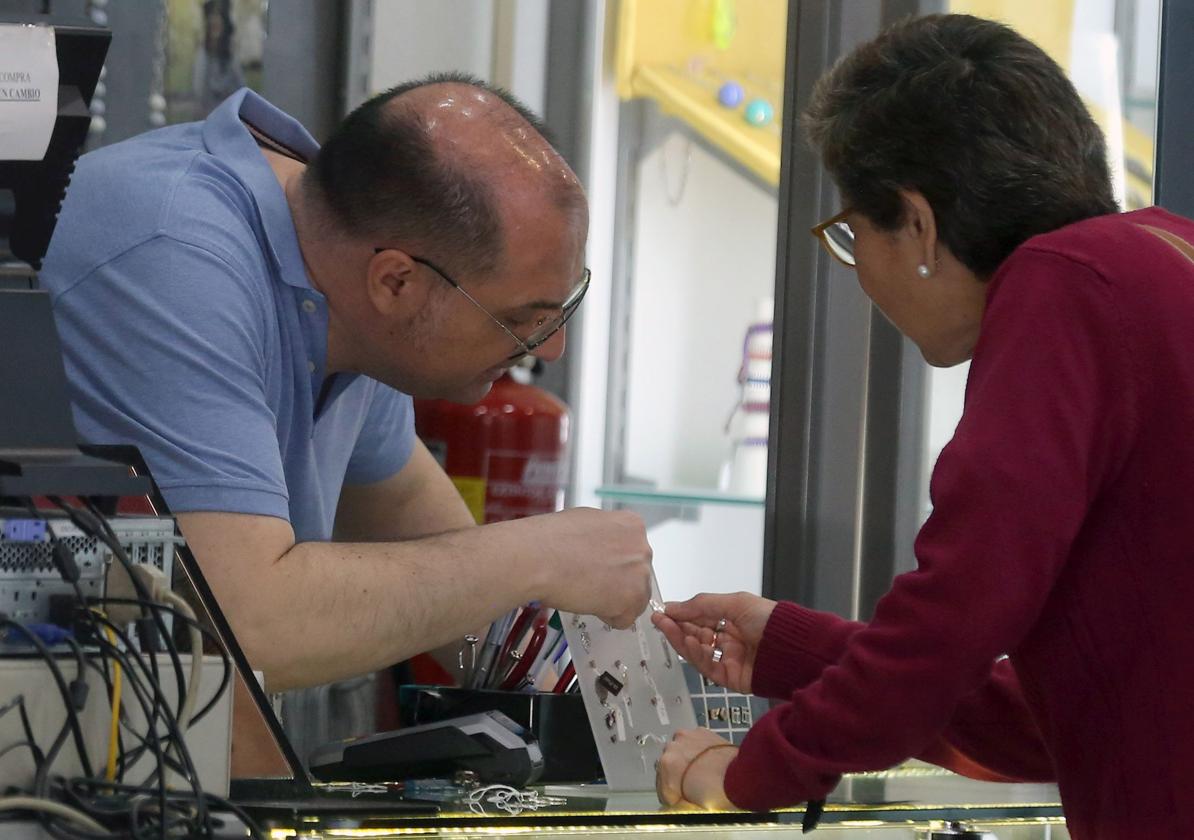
(315, 612)
(374, 604)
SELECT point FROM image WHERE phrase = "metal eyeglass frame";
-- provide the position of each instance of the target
(837, 237)
(542, 332)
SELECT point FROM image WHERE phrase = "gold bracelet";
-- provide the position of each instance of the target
(695, 758)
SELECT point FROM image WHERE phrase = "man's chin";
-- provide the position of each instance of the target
(469, 394)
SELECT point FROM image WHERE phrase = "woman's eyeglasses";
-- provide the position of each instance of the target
(837, 237)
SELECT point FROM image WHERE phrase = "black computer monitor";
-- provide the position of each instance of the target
(38, 442)
(31, 192)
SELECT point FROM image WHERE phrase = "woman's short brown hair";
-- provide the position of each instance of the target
(973, 116)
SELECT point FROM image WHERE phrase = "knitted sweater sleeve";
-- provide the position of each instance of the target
(991, 734)
(1046, 423)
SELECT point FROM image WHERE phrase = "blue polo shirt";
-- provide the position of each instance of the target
(191, 329)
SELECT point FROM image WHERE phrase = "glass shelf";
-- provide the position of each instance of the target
(676, 496)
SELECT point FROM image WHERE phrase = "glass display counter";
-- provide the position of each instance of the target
(904, 803)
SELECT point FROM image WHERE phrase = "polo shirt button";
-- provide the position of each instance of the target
(308, 306)
(311, 366)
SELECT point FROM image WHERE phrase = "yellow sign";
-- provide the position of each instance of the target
(472, 490)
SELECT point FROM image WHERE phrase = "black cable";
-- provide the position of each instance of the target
(67, 698)
(92, 522)
(226, 660)
(141, 694)
(129, 757)
(145, 688)
(103, 530)
(68, 569)
(171, 815)
(26, 743)
(38, 755)
(96, 525)
(41, 777)
(74, 784)
(174, 737)
(153, 711)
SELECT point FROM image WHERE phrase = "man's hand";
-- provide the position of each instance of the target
(692, 770)
(598, 562)
(690, 627)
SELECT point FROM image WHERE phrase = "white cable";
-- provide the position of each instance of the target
(57, 809)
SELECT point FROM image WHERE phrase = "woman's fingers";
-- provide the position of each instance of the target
(706, 608)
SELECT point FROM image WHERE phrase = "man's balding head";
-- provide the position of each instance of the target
(440, 166)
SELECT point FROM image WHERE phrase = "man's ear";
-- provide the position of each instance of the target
(920, 223)
(392, 280)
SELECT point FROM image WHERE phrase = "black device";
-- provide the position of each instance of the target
(558, 722)
(39, 452)
(491, 745)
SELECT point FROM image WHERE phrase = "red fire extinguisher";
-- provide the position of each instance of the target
(507, 455)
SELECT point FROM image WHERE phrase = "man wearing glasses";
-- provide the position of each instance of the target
(254, 312)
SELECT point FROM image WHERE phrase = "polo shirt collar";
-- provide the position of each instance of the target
(226, 137)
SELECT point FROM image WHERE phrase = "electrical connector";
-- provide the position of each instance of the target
(25, 530)
(50, 634)
(78, 694)
(148, 635)
(119, 585)
(154, 580)
(64, 561)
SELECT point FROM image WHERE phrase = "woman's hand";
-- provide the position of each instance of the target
(690, 627)
(692, 770)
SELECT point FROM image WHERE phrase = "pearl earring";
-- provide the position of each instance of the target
(923, 270)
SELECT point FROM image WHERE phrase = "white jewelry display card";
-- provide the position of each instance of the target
(635, 694)
(28, 90)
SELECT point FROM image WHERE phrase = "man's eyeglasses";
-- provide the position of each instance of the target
(544, 329)
(837, 237)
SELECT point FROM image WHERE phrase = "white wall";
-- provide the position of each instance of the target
(500, 41)
(704, 255)
(412, 38)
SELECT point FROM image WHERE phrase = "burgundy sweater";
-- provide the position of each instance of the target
(1062, 535)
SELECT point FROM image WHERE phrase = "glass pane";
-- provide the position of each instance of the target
(701, 85)
(1110, 50)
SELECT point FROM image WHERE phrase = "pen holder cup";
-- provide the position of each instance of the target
(557, 721)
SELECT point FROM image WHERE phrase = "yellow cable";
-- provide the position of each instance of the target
(114, 729)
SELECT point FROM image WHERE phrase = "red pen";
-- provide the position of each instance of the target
(565, 678)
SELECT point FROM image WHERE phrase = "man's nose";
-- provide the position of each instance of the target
(551, 349)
